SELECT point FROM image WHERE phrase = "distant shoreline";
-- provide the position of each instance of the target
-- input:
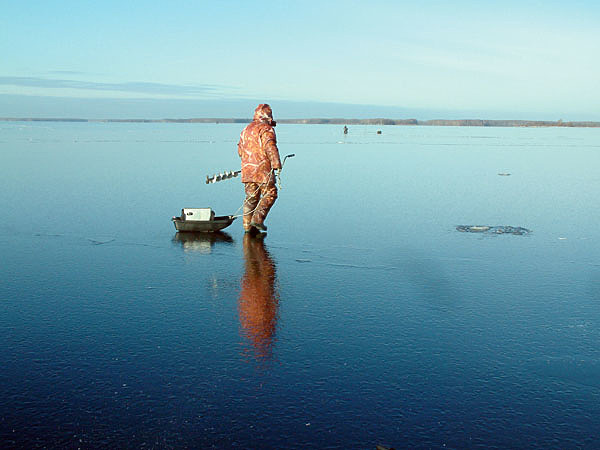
(413, 122)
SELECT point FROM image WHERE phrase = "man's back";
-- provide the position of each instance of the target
(258, 149)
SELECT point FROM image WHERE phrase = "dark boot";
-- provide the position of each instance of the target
(258, 226)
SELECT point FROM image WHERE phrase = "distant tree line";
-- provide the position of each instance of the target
(380, 121)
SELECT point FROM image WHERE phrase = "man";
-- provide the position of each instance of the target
(260, 159)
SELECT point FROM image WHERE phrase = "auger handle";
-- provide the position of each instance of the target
(291, 155)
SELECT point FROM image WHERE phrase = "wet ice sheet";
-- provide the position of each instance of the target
(363, 305)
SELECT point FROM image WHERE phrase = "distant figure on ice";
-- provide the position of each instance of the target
(260, 159)
(345, 129)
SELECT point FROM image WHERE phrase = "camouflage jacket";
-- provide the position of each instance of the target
(258, 149)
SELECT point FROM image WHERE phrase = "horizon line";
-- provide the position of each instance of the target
(333, 121)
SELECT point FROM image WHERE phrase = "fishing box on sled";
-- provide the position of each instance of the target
(201, 220)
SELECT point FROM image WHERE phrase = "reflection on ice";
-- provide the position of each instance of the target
(259, 299)
(200, 242)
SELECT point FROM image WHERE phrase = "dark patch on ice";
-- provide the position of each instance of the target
(101, 242)
(498, 229)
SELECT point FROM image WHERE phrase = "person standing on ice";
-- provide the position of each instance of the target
(260, 160)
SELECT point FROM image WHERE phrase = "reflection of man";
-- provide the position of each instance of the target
(260, 157)
(259, 300)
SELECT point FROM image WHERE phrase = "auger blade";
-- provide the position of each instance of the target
(226, 175)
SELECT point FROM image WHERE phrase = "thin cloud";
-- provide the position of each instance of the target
(66, 72)
(131, 87)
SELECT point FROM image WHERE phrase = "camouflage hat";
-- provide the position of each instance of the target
(263, 112)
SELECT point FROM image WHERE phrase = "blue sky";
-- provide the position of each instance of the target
(490, 59)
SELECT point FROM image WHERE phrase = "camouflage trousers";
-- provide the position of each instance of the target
(259, 200)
